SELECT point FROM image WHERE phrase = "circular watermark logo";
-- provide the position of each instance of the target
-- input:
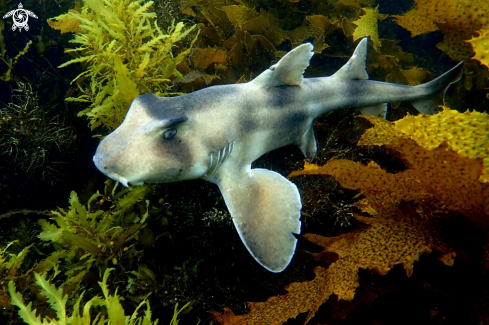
(20, 17)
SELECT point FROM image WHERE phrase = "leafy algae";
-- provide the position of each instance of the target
(125, 52)
(102, 237)
(113, 309)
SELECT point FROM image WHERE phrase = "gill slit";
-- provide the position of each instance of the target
(222, 155)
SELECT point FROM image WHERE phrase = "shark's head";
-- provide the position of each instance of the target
(150, 146)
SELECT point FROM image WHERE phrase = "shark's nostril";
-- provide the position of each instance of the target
(100, 164)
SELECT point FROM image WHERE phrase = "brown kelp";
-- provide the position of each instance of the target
(404, 215)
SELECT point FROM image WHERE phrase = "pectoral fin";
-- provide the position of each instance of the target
(265, 208)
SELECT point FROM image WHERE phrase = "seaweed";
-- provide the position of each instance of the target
(480, 46)
(12, 61)
(367, 25)
(10, 268)
(458, 21)
(32, 136)
(100, 237)
(84, 240)
(404, 215)
(112, 314)
(183, 247)
(125, 54)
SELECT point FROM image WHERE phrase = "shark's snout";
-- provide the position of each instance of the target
(108, 170)
(101, 163)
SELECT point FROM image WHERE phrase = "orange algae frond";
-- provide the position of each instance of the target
(267, 25)
(271, 28)
(465, 133)
(415, 76)
(458, 20)
(397, 233)
(383, 133)
(239, 14)
(385, 243)
(66, 23)
(203, 58)
(412, 212)
(447, 176)
(325, 26)
(227, 318)
(455, 182)
(480, 45)
(367, 25)
(384, 191)
(416, 23)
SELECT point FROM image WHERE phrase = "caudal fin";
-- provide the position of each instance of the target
(436, 90)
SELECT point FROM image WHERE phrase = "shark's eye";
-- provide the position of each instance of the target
(170, 133)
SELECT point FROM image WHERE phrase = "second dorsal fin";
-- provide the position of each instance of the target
(288, 71)
(355, 67)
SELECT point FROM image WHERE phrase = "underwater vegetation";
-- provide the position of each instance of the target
(57, 300)
(125, 53)
(406, 214)
(33, 136)
(462, 24)
(84, 241)
(40, 188)
(10, 62)
(395, 215)
(10, 268)
(104, 236)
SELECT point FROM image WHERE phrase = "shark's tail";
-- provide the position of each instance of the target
(435, 90)
(426, 98)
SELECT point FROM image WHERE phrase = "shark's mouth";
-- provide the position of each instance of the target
(127, 183)
(217, 159)
(118, 178)
(124, 181)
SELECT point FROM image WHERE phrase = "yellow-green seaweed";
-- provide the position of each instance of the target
(101, 235)
(125, 54)
(113, 314)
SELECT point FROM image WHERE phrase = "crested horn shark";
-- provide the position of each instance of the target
(217, 132)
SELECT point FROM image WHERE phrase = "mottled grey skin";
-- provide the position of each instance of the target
(221, 130)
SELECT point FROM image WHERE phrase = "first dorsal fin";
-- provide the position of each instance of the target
(288, 71)
(355, 67)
